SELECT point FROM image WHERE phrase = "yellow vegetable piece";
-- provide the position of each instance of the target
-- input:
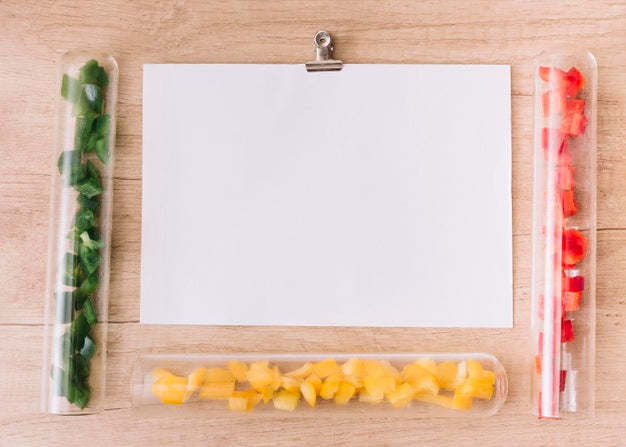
(439, 399)
(195, 379)
(266, 394)
(214, 375)
(302, 372)
(260, 375)
(390, 371)
(417, 370)
(243, 400)
(402, 396)
(366, 397)
(290, 384)
(353, 368)
(308, 392)
(316, 382)
(217, 390)
(377, 387)
(446, 375)
(425, 384)
(330, 386)
(461, 402)
(428, 364)
(482, 389)
(344, 393)
(475, 369)
(170, 389)
(286, 400)
(238, 369)
(373, 368)
(326, 368)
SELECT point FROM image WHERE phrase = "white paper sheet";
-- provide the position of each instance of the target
(375, 196)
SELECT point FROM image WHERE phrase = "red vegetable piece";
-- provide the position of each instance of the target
(574, 123)
(573, 283)
(575, 82)
(576, 106)
(562, 377)
(567, 331)
(570, 301)
(574, 246)
(569, 203)
(565, 177)
(554, 76)
(554, 102)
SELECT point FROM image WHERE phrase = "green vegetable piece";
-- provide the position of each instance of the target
(89, 188)
(81, 367)
(70, 167)
(79, 330)
(89, 259)
(64, 302)
(86, 203)
(102, 125)
(89, 348)
(90, 100)
(90, 72)
(84, 220)
(88, 286)
(90, 312)
(103, 79)
(81, 396)
(102, 150)
(90, 243)
(83, 131)
(70, 88)
(92, 171)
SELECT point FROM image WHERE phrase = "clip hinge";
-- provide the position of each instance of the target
(324, 53)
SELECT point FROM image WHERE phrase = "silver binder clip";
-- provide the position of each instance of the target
(324, 52)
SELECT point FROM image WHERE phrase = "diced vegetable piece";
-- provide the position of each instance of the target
(86, 203)
(170, 389)
(237, 403)
(425, 384)
(576, 106)
(89, 260)
(345, 392)
(573, 283)
(102, 149)
(568, 203)
(90, 243)
(260, 375)
(81, 395)
(554, 76)
(70, 167)
(390, 371)
(88, 349)
(90, 99)
(377, 387)
(217, 390)
(576, 82)
(90, 312)
(82, 131)
(290, 384)
(402, 396)
(237, 399)
(308, 392)
(567, 331)
(81, 366)
(439, 399)
(87, 287)
(554, 102)
(565, 177)
(461, 402)
(92, 170)
(84, 220)
(89, 73)
(238, 370)
(326, 368)
(447, 375)
(286, 400)
(102, 125)
(214, 375)
(89, 188)
(373, 368)
(574, 247)
(330, 386)
(474, 387)
(353, 369)
(571, 301)
(79, 330)
(302, 372)
(195, 379)
(70, 88)
(317, 383)
(574, 123)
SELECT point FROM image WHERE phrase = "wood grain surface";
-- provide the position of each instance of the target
(33, 35)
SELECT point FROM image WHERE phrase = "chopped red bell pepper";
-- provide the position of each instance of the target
(574, 123)
(562, 378)
(574, 247)
(576, 105)
(554, 76)
(565, 177)
(570, 301)
(569, 203)
(573, 283)
(567, 331)
(554, 102)
(575, 81)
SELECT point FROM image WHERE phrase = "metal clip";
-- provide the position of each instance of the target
(324, 52)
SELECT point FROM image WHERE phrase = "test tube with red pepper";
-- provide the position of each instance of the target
(564, 236)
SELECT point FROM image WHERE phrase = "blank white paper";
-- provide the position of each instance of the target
(379, 195)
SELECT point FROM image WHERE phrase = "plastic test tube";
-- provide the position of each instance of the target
(564, 235)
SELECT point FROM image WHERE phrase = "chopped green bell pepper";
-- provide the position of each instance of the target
(70, 167)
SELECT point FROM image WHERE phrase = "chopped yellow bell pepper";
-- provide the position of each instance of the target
(317, 383)
(302, 372)
(373, 368)
(238, 369)
(195, 379)
(447, 375)
(425, 383)
(344, 393)
(377, 387)
(290, 384)
(214, 375)
(243, 400)
(286, 400)
(330, 386)
(170, 389)
(326, 368)
(402, 396)
(461, 402)
(260, 375)
(353, 367)
(308, 392)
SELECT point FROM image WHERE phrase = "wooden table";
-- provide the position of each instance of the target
(33, 35)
